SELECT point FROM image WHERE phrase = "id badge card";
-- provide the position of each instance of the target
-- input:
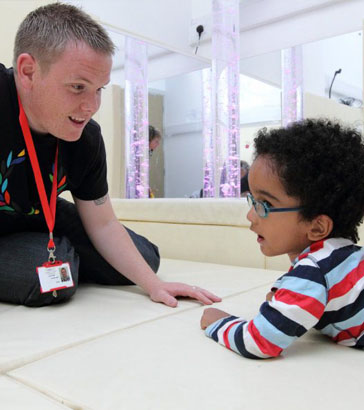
(54, 276)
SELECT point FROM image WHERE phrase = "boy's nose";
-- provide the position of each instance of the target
(251, 215)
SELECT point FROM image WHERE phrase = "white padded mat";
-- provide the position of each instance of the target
(29, 334)
(169, 363)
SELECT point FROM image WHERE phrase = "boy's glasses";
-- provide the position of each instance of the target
(263, 209)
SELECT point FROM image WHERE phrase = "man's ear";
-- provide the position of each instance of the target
(321, 227)
(26, 67)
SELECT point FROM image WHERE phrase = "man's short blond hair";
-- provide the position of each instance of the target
(46, 31)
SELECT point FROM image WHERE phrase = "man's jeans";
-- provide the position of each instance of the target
(21, 253)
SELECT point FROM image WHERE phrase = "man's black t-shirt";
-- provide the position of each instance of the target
(81, 165)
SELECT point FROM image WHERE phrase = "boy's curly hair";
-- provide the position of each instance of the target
(322, 164)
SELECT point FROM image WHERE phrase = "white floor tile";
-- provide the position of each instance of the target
(15, 396)
(170, 364)
(32, 333)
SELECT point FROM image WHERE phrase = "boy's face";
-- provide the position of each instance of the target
(279, 232)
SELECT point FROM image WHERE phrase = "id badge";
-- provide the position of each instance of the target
(54, 276)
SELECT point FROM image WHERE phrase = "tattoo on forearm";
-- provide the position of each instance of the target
(101, 200)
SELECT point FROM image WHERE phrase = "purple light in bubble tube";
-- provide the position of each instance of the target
(292, 85)
(225, 97)
(208, 137)
(136, 119)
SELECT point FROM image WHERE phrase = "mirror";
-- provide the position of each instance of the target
(174, 89)
(175, 102)
(321, 59)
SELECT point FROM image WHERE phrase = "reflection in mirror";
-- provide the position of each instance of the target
(183, 141)
(165, 92)
(321, 59)
(342, 55)
(260, 106)
(175, 103)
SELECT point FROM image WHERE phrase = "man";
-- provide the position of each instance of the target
(62, 60)
(154, 139)
(244, 173)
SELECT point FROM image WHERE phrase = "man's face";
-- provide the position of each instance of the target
(63, 98)
(154, 143)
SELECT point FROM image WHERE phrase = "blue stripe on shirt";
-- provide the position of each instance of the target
(332, 329)
(355, 320)
(337, 255)
(308, 272)
(239, 342)
(211, 330)
(305, 287)
(271, 333)
(350, 263)
(346, 312)
(231, 336)
(281, 322)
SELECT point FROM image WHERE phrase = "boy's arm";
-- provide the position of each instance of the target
(211, 315)
(295, 307)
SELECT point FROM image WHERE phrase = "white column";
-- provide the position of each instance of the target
(225, 97)
(292, 85)
(136, 119)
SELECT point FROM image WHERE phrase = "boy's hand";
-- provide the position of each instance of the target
(211, 315)
(269, 295)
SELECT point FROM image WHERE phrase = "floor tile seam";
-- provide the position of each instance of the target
(115, 331)
(250, 289)
(55, 351)
(54, 397)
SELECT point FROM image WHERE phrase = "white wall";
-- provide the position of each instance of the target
(164, 21)
(322, 58)
(12, 13)
(270, 25)
(266, 25)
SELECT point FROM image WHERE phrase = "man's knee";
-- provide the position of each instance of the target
(21, 254)
(34, 298)
(148, 250)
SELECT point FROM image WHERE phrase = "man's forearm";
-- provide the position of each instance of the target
(113, 242)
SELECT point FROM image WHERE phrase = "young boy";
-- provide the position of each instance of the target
(307, 200)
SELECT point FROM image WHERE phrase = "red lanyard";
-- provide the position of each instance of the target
(49, 208)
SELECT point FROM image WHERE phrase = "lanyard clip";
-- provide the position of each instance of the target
(51, 249)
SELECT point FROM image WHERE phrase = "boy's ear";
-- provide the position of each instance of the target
(321, 227)
(26, 67)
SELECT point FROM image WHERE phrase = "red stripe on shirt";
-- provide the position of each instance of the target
(355, 331)
(316, 246)
(264, 345)
(307, 303)
(350, 280)
(226, 334)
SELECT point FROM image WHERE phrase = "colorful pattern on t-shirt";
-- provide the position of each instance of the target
(6, 168)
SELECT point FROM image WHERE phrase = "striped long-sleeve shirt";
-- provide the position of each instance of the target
(324, 289)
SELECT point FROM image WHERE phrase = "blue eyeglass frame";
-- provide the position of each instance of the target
(267, 209)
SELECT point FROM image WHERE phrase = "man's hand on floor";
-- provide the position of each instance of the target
(167, 292)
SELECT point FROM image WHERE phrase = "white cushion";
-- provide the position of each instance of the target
(168, 363)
